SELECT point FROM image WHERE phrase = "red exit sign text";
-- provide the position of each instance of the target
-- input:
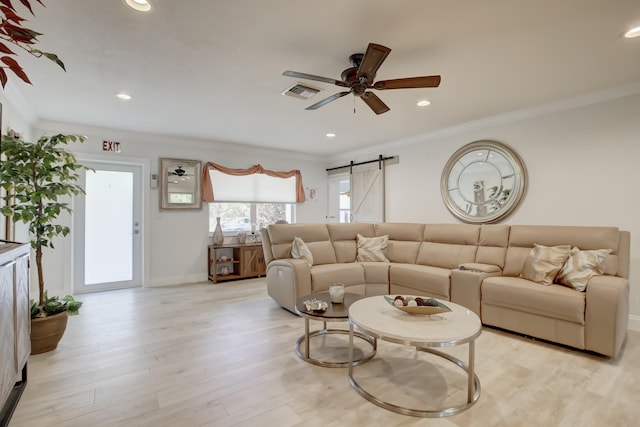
(112, 146)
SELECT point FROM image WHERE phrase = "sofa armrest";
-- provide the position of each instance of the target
(607, 314)
(466, 282)
(288, 280)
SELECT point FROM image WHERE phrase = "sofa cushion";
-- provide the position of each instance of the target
(522, 238)
(581, 266)
(493, 242)
(323, 276)
(300, 250)
(376, 272)
(431, 281)
(344, 237)
(404, 240)
(555, 301)
(372, 248)
(316, 236)
(544, 262)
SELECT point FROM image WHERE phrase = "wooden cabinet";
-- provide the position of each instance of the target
(15, 322)
(232, 262)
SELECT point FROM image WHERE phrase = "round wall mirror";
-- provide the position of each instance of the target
(483, 182)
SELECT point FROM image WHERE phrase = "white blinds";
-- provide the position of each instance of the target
(256, 187)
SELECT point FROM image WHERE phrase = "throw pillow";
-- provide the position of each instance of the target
(582, 266)
(544, 262)
(300, 250)
(372, 248)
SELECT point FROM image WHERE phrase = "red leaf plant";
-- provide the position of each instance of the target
(12, 32)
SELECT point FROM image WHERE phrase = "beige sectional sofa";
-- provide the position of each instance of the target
(477, 266)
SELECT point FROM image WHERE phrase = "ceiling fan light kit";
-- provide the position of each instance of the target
(361, 77)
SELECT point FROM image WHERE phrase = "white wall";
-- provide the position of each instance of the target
(583, 166)
(175, 249)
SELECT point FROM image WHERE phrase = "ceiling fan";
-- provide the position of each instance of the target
(360, 77)
(178, 172)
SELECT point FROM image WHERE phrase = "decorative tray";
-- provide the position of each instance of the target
(424, 305)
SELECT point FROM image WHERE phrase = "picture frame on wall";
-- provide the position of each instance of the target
(180, 186)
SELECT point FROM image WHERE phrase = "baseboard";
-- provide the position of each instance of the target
(181, 280)
(634, 323)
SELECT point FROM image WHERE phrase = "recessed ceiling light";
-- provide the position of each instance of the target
(330, 135)
(632, 33)
(124, 96)
(139, 5)
(423, 103)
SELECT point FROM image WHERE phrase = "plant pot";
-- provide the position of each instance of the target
(46, 332)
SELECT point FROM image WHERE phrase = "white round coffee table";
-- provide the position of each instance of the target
(375, 317)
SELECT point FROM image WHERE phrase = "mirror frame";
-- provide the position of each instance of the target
(165, 165)
(514, 198)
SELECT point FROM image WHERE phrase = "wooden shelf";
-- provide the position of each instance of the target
(244, 261)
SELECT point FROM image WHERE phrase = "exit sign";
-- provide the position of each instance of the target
(112, 146)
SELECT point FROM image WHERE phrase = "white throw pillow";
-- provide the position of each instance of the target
(544, 262)
(581, 266)
(300, 250)
(372, 248)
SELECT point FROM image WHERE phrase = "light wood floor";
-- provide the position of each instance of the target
(223, 355)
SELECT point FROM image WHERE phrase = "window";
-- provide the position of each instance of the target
(247, 217)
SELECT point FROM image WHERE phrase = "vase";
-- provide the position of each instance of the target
(218, 237)
(46, 332)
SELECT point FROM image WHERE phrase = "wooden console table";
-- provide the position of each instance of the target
(15, 324)
(232, 262)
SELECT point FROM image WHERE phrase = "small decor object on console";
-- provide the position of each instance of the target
(242, 238)
(417, 305)
(218, 237)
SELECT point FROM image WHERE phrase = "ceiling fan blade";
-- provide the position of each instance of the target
(372, 60)
(375, 103)
(316, 78)
(408, 83)
(327, 100)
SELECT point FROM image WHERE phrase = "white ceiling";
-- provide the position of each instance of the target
(212, 70)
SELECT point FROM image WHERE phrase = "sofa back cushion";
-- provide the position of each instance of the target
(523, 237)
(344, 238)
(493, 242)
(448, 245)
(315, 236)
(404, 240)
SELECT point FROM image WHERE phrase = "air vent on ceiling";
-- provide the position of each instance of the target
(301, 91)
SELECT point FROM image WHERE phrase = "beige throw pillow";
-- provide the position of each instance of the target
(544, 262)
(372, 248)
(300, 250)
(582, 266)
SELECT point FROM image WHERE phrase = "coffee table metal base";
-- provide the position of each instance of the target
(306, 356)
(473, 385)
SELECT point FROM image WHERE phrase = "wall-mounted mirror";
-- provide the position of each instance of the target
(483, 182)
(180, 184)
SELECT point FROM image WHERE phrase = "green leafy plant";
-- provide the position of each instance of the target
(38, 179)
(13, 32)
(55, 305)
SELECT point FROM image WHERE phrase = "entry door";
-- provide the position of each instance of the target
(108, 228)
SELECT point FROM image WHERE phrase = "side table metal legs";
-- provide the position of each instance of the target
(306, 338)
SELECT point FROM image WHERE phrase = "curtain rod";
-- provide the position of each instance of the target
(350, 165)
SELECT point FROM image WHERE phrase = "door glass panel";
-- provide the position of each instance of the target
(108, 227)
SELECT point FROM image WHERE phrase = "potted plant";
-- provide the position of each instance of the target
(38, 179)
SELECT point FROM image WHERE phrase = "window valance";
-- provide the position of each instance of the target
(207, 185)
